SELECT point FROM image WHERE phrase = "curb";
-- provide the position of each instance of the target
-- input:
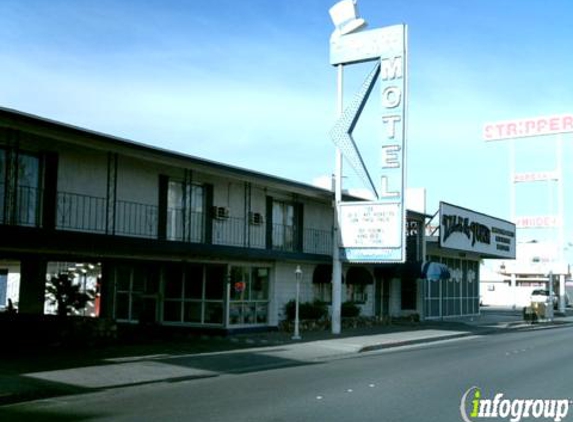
(403, 343)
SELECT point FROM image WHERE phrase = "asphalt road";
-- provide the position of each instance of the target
(417, 383)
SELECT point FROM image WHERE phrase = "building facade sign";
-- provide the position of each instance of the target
(523, 128)
(393, 149)
(376, 231)
(370, 232)
(539, 176)
(365, 45)
(468, 231)
(538, 222)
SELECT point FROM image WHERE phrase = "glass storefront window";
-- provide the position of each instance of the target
(249, 295)
(194, 293)
(260, 283)
(173, 280)
(194, 282)
(213, 312)
(215, 282)
(172, 311)
(193, 311)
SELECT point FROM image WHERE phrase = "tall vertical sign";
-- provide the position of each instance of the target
(374, 231)
(393, 151)
(555, 125)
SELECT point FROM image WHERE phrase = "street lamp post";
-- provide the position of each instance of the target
(298, 276)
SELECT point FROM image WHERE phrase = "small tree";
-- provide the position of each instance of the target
(66, 295)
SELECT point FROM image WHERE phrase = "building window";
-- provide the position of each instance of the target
(136, 293)
(321, 283)
(19, 188)
(323, 292)
(409, 293)
(175, 210)
(249, 297)
(356, 293)
(283, 226)
(185, 212)
(194, 294)
(357, 280)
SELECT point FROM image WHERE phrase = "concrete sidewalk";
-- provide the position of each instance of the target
(32, 377)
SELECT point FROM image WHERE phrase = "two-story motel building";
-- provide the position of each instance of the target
(175, 239)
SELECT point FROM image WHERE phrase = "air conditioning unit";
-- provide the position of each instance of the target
(220, 213)
(256, 218)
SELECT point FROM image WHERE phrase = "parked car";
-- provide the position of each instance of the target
(542, 295)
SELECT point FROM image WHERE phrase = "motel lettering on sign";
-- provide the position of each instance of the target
(392, 76)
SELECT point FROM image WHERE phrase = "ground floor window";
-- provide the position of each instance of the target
(356, 293)
(409, 293)
(457, 295)
(323, 292)
(357, 280)
(136, 293)
(72, 287)
(249, 295)
(321, 283)
(194, 293)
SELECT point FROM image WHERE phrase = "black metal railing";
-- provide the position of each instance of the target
(317, 241)
(81, 212)
(284, 238)
(236, 231)
(135, 219)
(86, 213)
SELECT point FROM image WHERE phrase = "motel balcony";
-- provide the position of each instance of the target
(80, 213)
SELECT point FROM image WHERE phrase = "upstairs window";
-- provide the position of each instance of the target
(284, 229)
(283, 226)
(19, 188)
(185, 211)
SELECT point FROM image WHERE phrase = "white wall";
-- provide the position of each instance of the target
(503, 295)
(285, 287)
(138, 181)
(82, 171)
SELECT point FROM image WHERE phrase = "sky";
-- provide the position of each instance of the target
(248, 83)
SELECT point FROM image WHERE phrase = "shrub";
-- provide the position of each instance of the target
(307, 310)
(350, 310)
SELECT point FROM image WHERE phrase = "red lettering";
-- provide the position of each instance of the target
(541, 124)
(567, 123)
(511, 129)
(529, 126)
(487, 132)
(554, 124)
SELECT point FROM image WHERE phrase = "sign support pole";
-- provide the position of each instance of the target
(336, 263)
